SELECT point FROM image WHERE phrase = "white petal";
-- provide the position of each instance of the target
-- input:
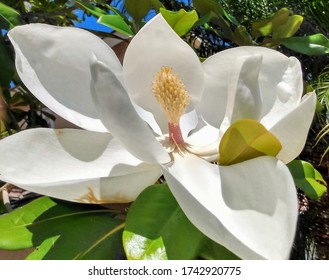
(204, 141)
(219, 69)
(289, 93)
(66, 163)
(292, 129)
(244, 100)
(250, 208)
(120, 117)
(188, 122)
(53, 62)
(154, 46)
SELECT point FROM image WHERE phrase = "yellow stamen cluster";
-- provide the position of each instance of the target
(170, 92)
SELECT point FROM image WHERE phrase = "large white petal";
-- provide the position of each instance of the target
(120, 117)
(219, 69)
(289, 93)
(244, 100)
(250, 208)
(154, 46)
(53, 62)
(67, 163)
(292, 129)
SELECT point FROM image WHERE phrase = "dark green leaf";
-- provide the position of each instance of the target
(62, 230)
(9, 17)
(7, 68)
(307, 178)
(117, 23)
(138, 9)
(312, 45)
(156, 223)
(206, 6)
(242, 37)
(214, 251)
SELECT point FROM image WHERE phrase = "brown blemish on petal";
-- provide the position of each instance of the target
(90, 197)
(59, 132)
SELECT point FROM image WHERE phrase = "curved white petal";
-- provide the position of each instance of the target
(244, 100)
(65, 163)
(188, 122)
(53, 62)
(154, 46)
(219, 69)
(289, 93)
(120, 117)
(292, 129)
(250, 208)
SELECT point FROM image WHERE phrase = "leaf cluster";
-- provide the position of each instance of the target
(154, 228)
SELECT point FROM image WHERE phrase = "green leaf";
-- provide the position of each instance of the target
(206, 6)
(313, 45)
(307, 178)
(157, 5)
(156, 227)
(95, 11)
(242, 37)
(117, 23)
(7, 68)
(181, 21)
(62, 230)
(9, 18)
(142, 248)
(138, 9)
(247, 139)
(215, 251)
(265, 27)
(289, 28)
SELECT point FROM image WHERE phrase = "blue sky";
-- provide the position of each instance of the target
(90, 22)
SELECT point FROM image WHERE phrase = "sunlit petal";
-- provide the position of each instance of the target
(121, 118)
(220, 68)
(154, 46)
(250, 208)
(65, 163)
(292, 129)
(53, 62)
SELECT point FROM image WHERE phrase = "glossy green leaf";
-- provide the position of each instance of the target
(142, 248)
(117, 23)
(41, 251)
(265, 27)
(9, 18)
(62, 230)
(289, 28)
(92, 9)
(156, 226)
(138, 9)
(181, 21)
(215, 251)
(7, 68)
(313, 45)
(307, 178)
(247, 139)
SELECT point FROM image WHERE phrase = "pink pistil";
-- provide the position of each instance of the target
(175, 134)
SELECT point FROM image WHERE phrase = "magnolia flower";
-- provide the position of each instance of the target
(163, 112)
